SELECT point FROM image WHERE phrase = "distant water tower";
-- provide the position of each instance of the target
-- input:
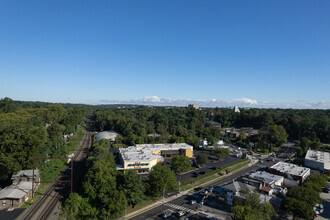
(236, 109)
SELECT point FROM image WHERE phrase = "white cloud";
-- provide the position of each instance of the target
(151, 99)
(244, 101)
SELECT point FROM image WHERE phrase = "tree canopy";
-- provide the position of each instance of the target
(161, 179)
(180, 163)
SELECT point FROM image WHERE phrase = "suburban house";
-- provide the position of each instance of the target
(20, 191)
(225, 195)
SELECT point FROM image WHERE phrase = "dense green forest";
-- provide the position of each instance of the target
(35, 129)
(180, 124)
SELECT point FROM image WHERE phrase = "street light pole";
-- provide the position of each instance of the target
(179, 186)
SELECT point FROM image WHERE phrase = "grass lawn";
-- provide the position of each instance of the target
(144, 203)
(276, 149)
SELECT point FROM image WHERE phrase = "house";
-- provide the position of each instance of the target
(203, 143)
(293, 174)
(226, 194)
(318, 160)
(213, 123)
(26, 175)
(20, 191)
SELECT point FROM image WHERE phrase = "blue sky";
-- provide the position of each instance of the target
(215, 53)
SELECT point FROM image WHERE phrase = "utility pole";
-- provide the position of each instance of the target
(179, 186)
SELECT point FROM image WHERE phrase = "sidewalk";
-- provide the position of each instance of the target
(165, 200)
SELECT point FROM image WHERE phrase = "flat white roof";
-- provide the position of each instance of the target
(108, 135)
(143, 152)
(290, 168)
(319, 156)
(265, 177)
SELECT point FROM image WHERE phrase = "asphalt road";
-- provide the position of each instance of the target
(207, 168)
(4, 214)
(183, 202)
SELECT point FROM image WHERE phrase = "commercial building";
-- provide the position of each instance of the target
(292, 173)
(143, 157)
(267, 179)
(318, 160)
(193, 106)
(20, 191)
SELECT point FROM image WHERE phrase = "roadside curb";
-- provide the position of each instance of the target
(163, 201)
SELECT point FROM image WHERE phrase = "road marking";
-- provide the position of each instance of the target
(178, 207)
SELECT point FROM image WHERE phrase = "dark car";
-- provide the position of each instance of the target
(213, 168)
(326, 190)
(198, 188)
(203, 172)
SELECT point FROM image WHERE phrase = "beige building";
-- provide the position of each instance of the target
(20, 191)
(143, 157)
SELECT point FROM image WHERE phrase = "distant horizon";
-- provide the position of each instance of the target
(184, 103)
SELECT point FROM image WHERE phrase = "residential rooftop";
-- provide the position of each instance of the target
(289, 168)
(237, 186)
(28, 173)
(146, 152)
(16, 191)
(265, 177)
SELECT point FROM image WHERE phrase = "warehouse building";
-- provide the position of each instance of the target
(292, 173)
(318, 160)
(143, 157)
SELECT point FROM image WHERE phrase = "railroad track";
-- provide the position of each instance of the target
(43, 208)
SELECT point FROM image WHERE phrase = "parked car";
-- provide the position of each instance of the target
(192, 202)
(167, 214)
(181, 213)
(326, 190)
(204, 193)
(198, 188)
(213, 168)
(203, 201)
(202, 173)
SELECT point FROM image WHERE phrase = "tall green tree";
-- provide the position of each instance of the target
(300, 201)
(249, 207)
(202, 159)
(101, 188)
(277, 134)
(133, 187)
(161, 179)
(77, 207)
(180, 163)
